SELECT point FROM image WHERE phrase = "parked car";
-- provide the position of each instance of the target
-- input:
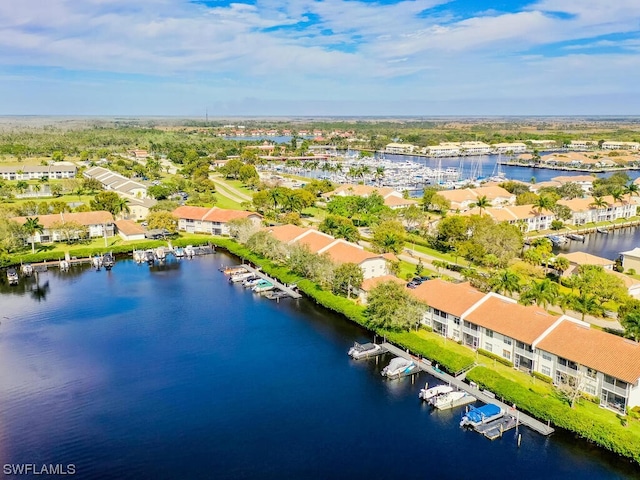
(412, 284)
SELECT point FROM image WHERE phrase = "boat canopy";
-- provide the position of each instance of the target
(477, 415)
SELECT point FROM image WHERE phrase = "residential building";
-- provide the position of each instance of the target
(583, 258)
(543, 143)
(370, 283)
(462, 199)
(527, 217)
(450, 149)
(475, 148)
(631, 259)
(213, 220)
(56, 171)
(57, 226)
(584, 210)
(560, 347)
(615, 145)
(338, 250)
(582, 144)
(399, 148)
(130, 230)
(139, 154)
(515, 147)
(585, 181)
(392, 198)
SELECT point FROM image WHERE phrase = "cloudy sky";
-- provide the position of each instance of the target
(319, 57)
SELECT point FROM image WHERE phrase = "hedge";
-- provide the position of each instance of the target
(615, 438)
(495, 357)
(543, 377)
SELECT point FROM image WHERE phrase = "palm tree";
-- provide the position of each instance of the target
(544, 202)
(482, 203)
(541, 293)
(618, 194)
(598, 202)
(379, 174)
(587, 304)
(561, 264)
(632, 189)
(21, 186)
(506, 282)
(31, 226)
(565, 301)
(276, 196)
(121, 206)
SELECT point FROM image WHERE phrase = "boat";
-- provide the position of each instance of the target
(139, 256)
(149, 256)
(263, 286)
(107, 261)
(160, 253)
(397, 367)
(252, 282)
(575, 236)
(96, 261)
(178, 252)
(364, 350)
(602, 230)
(27, 269)
(64, 265)
(234, 270)
(480, 415)
(428, 393)
(12, 277)
(189, 251)
(557, 240)
(452, 400)
(276, 295)
(240, 277)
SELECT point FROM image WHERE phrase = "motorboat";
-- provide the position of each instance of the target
(602, 230)
(189, 251)
(107, 261)
(149, 257)
(480, 415)
(251, 282)
(178, 252)
(575, 236)
(27, 269)
(364, 350)
(263, 286)
(452, 400)
(161, 254)
(64, 265)
(12, 277)
(96, 261)
(234, 270)
(139, 256)
(397, 367)
(241, 277)
(428, 393)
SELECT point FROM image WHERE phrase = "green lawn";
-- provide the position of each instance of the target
(70, 198)
(226, 202)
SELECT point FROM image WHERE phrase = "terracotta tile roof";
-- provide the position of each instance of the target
(316, 240)
(584, 258)
(629, 282)
(190, 213)
(129, 227)
(83, 218)
(585, 204)
(511, 319)
(393, 201)
(286, 233)
(454, 298)
(344, 252)
(592, 348)
(211, 214)
(472, 194)
(371, 283)
(361, 190)
(576, 178)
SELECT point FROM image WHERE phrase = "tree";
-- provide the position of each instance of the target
(598, 202)
(629, 317)
(413, 217)
(506, 282)
(31, 226)
(526, 198)
(340, 227)
(557, 225)
(56, 189)
(107, 201)
(347, 278)
(57, 156)
(632, 189)
(544, 202)
(389, 236)
(21, 186)
(91, 185)
(595, 280)
(570, 190)
(241, 229)
(12, 235)
(70, 230)
(541, 293)
(482, 203)
(561, 265)
(232, 168)
(162, 221)
(389, 306)
(247, 172)
(586, 304)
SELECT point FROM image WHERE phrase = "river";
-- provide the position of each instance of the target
(171, 372)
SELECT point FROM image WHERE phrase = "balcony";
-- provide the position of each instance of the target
(617, 390)
(568, 370)
(525, 353)
(471, 331)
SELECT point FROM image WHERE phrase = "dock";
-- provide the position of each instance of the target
(497, 427)
(288, 289)
(483, 396)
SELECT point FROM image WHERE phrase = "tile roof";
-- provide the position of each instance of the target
(286, 233)
(454, 298)
(575, 178)
(584, 258)
(129, 227)
(344, 252)
(362, 190)
(83, 218)
(371, 283)
(393, 201)
(472, 194)
(316, 240)
(509, 318)
(592, 348)
(214, 214)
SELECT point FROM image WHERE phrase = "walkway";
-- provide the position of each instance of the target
(457, 382)
(228, 191)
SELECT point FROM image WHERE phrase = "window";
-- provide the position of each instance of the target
(546, 371)
(507, 341)
(547, 356)
(506, 354)
(590, 389)
(456, 320)
(456, 333)
(488, 332)
(591, 373)
(488, 347)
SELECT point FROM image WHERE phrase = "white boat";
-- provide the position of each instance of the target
(602, 230)
(428, 393)
(249, 283)
(364, 350)
(64, 265)
(189, 251)
(234, 270)
(178, 252)
(139, 256)
(240, 277)
(263, 286)
(97, 262)
(452, 400)
(27, 269)
(397, 367)
(161, 253)
(12, 277)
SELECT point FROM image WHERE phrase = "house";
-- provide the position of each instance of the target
(543, 143)
(392, 198)
(462, 199)
(583, 210)
(450, 149)
(611, 145)
(211, 220)
(582, 144)
(139, 154)
(515, 147)
(129, 230)
(58, 226)
(560, 347)
(399, 148)
(583, 258)
(338, 250)
(57, 171)
(631, 260)
(585, 181)
(527, 217)
(370, 283)
(120, 184)
(139, 208)
(475, 148)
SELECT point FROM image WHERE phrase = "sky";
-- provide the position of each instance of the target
(319, 57)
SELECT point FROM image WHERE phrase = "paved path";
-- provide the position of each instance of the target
(426, 366)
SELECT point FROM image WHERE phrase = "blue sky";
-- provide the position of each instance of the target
(319, 57)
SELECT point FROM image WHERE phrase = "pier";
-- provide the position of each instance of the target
(483, 396)
(288, 289)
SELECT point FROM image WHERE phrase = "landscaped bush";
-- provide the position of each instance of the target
(542, 377)
(495, 357)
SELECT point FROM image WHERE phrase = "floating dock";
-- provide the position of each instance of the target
(458, 402)
(288, 289)
(497, 427)
(426, 366)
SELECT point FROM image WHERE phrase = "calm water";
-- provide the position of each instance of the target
(606, 246)
(174, 373)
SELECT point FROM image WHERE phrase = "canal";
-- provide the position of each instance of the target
(171, 372)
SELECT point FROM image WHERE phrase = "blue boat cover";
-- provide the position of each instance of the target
(476, 415)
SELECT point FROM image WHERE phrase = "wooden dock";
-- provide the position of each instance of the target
(285, 288)
(483, 395)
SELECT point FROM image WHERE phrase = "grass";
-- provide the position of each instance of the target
(226, 202)
(68, 198)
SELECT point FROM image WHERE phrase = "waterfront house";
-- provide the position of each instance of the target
(527, 217)
(71, 226)
(584, 210)
(57, 171)
(130, 230)
(563, 348)
(213, 220)
(585, 181)
(370, 283)
(338, 250)
(399, 148)
(615, 145)
(514, 147)
(474, 148)
(392, 198)
(450, 149)
(463, 199)
(582, 144)
(583, 258)
(631, 259)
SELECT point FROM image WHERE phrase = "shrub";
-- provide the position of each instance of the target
(542, 377)
(495, 357)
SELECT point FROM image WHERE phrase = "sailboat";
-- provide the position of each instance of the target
(498, 175)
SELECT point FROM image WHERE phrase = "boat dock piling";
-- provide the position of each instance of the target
(483, 396)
